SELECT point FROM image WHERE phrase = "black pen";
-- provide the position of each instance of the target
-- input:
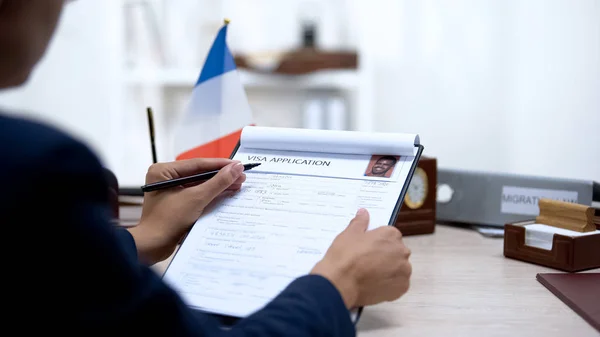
(186, 180)
(151, 129)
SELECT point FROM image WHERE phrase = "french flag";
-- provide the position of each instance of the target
(218, 108)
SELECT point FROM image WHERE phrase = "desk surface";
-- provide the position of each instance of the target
(462, 285)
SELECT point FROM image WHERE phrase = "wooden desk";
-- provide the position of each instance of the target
(462, 285)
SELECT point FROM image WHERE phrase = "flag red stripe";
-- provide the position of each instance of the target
(219, 148)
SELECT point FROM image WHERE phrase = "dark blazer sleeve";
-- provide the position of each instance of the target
(80, 275)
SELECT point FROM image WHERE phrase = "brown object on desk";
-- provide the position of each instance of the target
(568, 253)
(304, 61)
(566, 215)
(581, 292)
(417, 215)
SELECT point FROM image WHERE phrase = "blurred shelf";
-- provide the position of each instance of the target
(342, 79)
(300, 61)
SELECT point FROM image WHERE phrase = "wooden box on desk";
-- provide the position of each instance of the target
(417, 215)
(567, 253)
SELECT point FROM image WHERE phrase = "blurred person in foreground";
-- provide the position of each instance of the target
(71, 271)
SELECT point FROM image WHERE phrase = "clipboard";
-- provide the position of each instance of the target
(228, 321)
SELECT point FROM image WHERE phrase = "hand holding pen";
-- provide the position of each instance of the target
(168, 214)
(189, 179)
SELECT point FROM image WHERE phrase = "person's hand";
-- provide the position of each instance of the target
(168, 214)
(367, 267)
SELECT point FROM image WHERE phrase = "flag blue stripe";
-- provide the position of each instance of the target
(219, 60)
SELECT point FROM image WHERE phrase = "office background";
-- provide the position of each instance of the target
(500, 86)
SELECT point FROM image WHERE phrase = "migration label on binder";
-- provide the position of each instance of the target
(524, 200)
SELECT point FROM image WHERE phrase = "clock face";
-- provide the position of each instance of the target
(417, 190)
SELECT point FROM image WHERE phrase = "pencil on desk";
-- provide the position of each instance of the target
(151, 129)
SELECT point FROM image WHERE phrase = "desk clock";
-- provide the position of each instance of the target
(417, 215)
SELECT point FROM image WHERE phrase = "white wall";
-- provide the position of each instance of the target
(511, 86)
(499, 85)
(554, 97)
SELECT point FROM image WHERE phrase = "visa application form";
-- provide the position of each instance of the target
(250, 244)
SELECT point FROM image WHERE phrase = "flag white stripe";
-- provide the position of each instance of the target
(216, 108)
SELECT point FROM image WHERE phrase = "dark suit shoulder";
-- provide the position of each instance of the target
(31, 149)
(22, 139)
